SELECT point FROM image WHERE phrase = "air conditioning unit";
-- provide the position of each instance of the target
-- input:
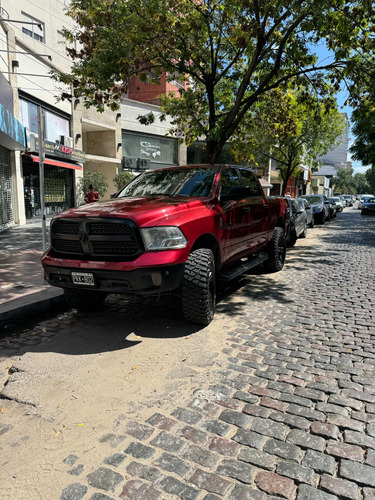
(129, 163)
(144, 164)
(66, 141)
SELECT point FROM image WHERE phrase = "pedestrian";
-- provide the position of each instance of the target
(91, 195)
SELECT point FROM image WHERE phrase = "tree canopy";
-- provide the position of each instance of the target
(285, 128)
(231, 52)
(363, 148)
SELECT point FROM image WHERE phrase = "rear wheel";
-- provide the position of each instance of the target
(304, 232)
(84, 300)
(276, 250)
(199, 287)
(322, 218)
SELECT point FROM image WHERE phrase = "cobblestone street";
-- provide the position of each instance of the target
(289, 411)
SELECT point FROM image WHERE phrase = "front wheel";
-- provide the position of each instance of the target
(84, 300)
(198, 290)
(276, 250)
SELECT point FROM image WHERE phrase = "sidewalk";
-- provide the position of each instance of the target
(23, 290)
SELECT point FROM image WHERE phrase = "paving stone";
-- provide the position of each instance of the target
(115, 459)
(139, 450)
(320, 386)
(224, 446)
(274, 484)
(104, 479)
(283, 450)
(210, 482)
(340, 400)
(194, 435)
(330, 408)
(296, 472)
(340, 487)
(100, 496)
(345, 422)
(74, 491)
(216, 427)
(70, 460)
(269, 428)
(298, 400)
(361, 396)
(263, 391)
(249, 438)
(369, 493)
(200, 455)
(244, 396)
(306, 440)
(319, 462)
(344, 450)
(112, 439)
(370, 458)
(187, 416)
(77, 471)
(257, 457)
(137, 490)
(310, 394)
(235, 417)
(306, 492)
(242, 492)
(171, 463)
(210, 496)
(291, 380)
(139, 431)
(305, 412)
(143, 471)
(256, 410)
(291, 420)
(161, 422)
(359, 438)
(361, 474)
(325, 429)
(236, 470)
(168, 442)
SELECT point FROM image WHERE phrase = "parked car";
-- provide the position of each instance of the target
(338, 203)
(348, 199)
(309, 212)
(332, 208)
(297, 227)
(368, 206)
(320, 206)
(175, 229)
(363, 199)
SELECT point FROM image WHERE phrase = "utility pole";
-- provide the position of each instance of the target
(41, 175)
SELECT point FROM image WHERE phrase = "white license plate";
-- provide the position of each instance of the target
(83, 279)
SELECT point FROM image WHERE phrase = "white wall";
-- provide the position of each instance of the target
(131, 109)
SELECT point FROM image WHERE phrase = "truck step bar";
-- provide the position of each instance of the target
(243, 267)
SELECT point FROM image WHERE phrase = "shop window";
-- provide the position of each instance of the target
(36, 30)
(54, 125)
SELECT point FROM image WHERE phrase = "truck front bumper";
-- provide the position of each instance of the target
(139, 281)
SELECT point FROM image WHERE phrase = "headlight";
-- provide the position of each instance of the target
(163, 238)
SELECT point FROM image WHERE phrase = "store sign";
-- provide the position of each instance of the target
(57, 150)
(150, 150)
(14, 133)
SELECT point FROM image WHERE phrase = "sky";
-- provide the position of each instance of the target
(325, 56)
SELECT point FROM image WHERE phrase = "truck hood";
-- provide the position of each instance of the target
(144, 210)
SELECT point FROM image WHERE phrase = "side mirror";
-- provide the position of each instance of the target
(114, 195)
(236, 193)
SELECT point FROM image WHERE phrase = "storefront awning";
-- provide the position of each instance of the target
(49, 161)
(264, 183)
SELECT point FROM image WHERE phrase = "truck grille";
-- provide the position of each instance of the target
(96, 239)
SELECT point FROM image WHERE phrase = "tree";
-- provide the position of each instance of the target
(284, 128)
(344, 181)
(231, 52)
(122, 178)
(363, 148)
(370, 177)
(99, 182)
(361, 184)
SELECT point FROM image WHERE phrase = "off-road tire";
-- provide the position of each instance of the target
(304, 232)
(84, 300)
(198, 292)
(276, 250)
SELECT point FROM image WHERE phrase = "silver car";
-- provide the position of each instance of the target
(363, 199)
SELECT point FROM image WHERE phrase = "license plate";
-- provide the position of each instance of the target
(83, 279)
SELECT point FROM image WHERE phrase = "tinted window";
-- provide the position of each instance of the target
(229, 179)
(249, 179)
(192, 182)
(313, 199)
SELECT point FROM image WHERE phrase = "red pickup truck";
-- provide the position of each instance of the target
(175, 229)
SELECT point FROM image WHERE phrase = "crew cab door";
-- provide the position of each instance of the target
(235, 215)
(257, 208)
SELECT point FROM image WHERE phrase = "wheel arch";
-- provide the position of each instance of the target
(209, 241)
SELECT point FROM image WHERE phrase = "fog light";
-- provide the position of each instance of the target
(156, 279)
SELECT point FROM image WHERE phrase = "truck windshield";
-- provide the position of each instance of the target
(192, 182)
